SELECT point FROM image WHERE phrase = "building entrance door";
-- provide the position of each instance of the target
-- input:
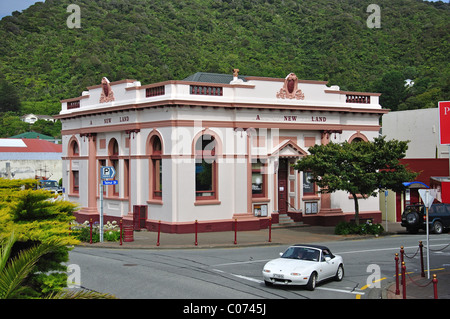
(282, 186)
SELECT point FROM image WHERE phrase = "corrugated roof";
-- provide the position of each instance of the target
(212, 77)
(9, 145)
(33, 135)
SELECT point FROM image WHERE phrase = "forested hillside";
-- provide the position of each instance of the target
(42, 60)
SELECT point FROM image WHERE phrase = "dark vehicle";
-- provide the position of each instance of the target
(414, 218)
(50, 185)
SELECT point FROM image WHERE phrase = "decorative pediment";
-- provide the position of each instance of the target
(107, 94)
(290, 89)
(288, 148)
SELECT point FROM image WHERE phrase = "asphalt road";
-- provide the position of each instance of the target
(235, 273)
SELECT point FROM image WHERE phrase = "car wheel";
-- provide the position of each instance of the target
(311, 285)
(268, 283)
(437, 227)
(339, 273)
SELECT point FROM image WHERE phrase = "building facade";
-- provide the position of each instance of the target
(425, 155)
(421, 128)
(32, 118)
(211, 150)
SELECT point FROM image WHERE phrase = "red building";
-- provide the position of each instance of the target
(430, 170)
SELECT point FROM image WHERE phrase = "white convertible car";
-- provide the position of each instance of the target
(304, 265)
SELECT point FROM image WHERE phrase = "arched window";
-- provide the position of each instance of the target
(74, 150)
(113, 148)
(205, 167)
(113, 154)
(155, 167)
(358, 137)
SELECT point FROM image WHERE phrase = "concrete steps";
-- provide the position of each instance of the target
(285, 221)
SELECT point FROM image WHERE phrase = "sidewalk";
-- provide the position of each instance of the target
(281, 236)
(418, 287)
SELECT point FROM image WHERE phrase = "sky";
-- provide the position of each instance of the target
(8, 6)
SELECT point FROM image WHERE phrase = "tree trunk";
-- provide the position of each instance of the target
(355, 199)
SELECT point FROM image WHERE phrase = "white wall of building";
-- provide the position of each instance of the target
(182, 116)
(23, 169)
(420, 127)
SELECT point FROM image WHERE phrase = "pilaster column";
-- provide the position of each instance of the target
(325, 199)
(91, 210)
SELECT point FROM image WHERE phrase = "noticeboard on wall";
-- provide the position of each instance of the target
(311, 208)
(260, 210)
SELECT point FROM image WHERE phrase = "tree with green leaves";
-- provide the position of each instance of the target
(359, 168)
(9, 97)
(36, 218)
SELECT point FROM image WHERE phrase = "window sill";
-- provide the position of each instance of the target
(207, 202)
(310, 197)
(155, 201)
(113, 198)
(260, 200)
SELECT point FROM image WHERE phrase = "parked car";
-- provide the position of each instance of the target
(303, 265)
(50, 185)
(414, 218)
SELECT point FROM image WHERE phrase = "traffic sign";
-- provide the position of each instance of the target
(444, 122)
(428, 196)
(113, 182)
(107, 172)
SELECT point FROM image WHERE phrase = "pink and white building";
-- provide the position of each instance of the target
(213, 148)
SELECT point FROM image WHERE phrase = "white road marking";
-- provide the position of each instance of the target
(262, 281)
(337, 253)
(240, 276)
(340, 290)
(241, 262)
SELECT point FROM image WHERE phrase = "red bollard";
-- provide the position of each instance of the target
(402, 253)
(270, 229)
(121, 227)
(397, 289)
(196, 243)
(235, 231)
(435, 281)
(90, 232)
(421, 259)
(404, 279)
(159, 232)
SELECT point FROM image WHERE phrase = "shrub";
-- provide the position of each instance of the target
(37, 219)
(350, 228)
(111, 231)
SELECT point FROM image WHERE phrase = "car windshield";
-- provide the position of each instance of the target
(302, 253)
(49, 184)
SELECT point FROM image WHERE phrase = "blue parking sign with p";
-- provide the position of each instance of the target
(107, 172)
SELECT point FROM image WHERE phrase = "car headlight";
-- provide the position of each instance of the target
(295, 274)
(266, 270)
